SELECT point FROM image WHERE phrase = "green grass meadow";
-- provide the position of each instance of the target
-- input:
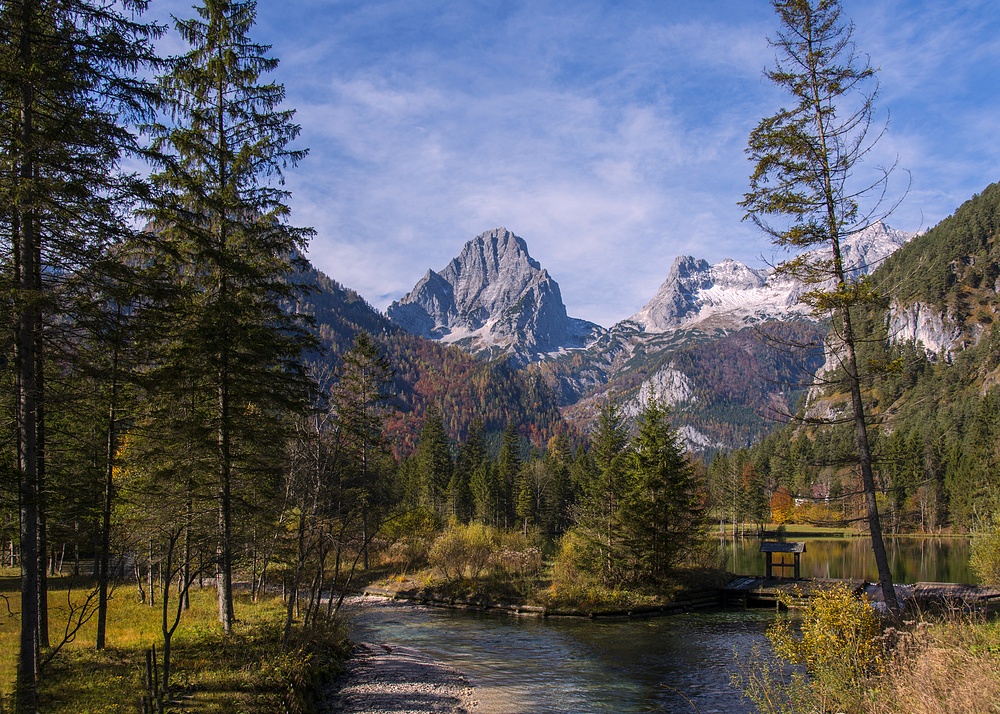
(247, 671)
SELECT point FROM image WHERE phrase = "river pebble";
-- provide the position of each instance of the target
(390, 679)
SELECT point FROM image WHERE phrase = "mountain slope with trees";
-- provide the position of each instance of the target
(466, 390)
(935, 410)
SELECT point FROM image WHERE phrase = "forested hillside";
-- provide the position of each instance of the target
(465, 389)
(741, 383)
(936, 412)
(954, 267)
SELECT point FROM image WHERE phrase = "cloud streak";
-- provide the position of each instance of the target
(609, 135)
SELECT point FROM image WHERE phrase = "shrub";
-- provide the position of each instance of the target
(577, 562)
(517, 555)
(463, 551)
(985, 555)
(409, 536)
(826, 664)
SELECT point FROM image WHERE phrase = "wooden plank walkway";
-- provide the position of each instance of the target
(751, 591)
(954, 595)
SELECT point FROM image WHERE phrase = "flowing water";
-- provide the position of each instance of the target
(679, 663)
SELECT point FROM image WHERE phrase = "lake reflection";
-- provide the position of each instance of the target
(912, 559)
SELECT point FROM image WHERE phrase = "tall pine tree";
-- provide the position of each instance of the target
(68, 94)
(232, 352)
(807, 189)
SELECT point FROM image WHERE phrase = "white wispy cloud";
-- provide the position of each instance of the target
(609, 135)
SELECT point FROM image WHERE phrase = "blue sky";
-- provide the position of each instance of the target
(609, 134)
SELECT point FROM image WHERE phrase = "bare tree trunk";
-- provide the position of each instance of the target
(43, 542)
(104, 574)
(149, 574)
(28, 323)
(867, 474)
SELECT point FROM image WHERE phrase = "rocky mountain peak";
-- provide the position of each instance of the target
(731, 294)
(494, 295)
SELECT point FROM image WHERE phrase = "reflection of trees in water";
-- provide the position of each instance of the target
(913, 559)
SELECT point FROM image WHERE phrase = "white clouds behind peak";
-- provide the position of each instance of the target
(609, 135)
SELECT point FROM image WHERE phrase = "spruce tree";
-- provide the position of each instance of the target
(508, 470)
(602, 498)
(805, 192)
(434, 465)
(661, 508)
(68, 96)
(232, 353)
(468, 494)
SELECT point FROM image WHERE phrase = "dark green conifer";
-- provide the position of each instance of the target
(434, 465)
(68, 95)
(661, 508)
(508, 468)
(231, 351)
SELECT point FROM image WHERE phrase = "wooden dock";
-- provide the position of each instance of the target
(955, 595)
(750, 591)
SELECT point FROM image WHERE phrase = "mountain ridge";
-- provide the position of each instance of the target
(492, 297)
(494, 300)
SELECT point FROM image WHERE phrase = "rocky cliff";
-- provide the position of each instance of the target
(493, 298)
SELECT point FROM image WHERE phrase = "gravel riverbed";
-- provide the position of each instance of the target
(391, 679)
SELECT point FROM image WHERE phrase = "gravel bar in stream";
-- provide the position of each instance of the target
(390, 679)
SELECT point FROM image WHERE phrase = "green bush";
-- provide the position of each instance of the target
(577, 583)
(985, 555)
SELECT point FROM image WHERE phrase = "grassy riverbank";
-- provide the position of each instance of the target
(839, 655)
(248, 671)
(951, 666)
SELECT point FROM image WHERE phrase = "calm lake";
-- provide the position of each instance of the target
(679, 663)
(912, 559)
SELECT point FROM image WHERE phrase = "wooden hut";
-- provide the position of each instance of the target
(796, 548)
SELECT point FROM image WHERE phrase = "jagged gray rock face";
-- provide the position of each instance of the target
(494, 295)
(935, 330)
(731, 295)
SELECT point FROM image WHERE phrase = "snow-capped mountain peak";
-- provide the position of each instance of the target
(731, 294)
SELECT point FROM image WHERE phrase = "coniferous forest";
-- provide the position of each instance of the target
(208, 444)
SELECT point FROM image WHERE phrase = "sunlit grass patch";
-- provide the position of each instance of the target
(249, 670)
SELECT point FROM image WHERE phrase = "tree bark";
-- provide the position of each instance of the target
(28, 321)
(104, 575)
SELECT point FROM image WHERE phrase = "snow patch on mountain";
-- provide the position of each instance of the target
(730, 294)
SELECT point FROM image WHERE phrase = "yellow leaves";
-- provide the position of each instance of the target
(838, 637)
